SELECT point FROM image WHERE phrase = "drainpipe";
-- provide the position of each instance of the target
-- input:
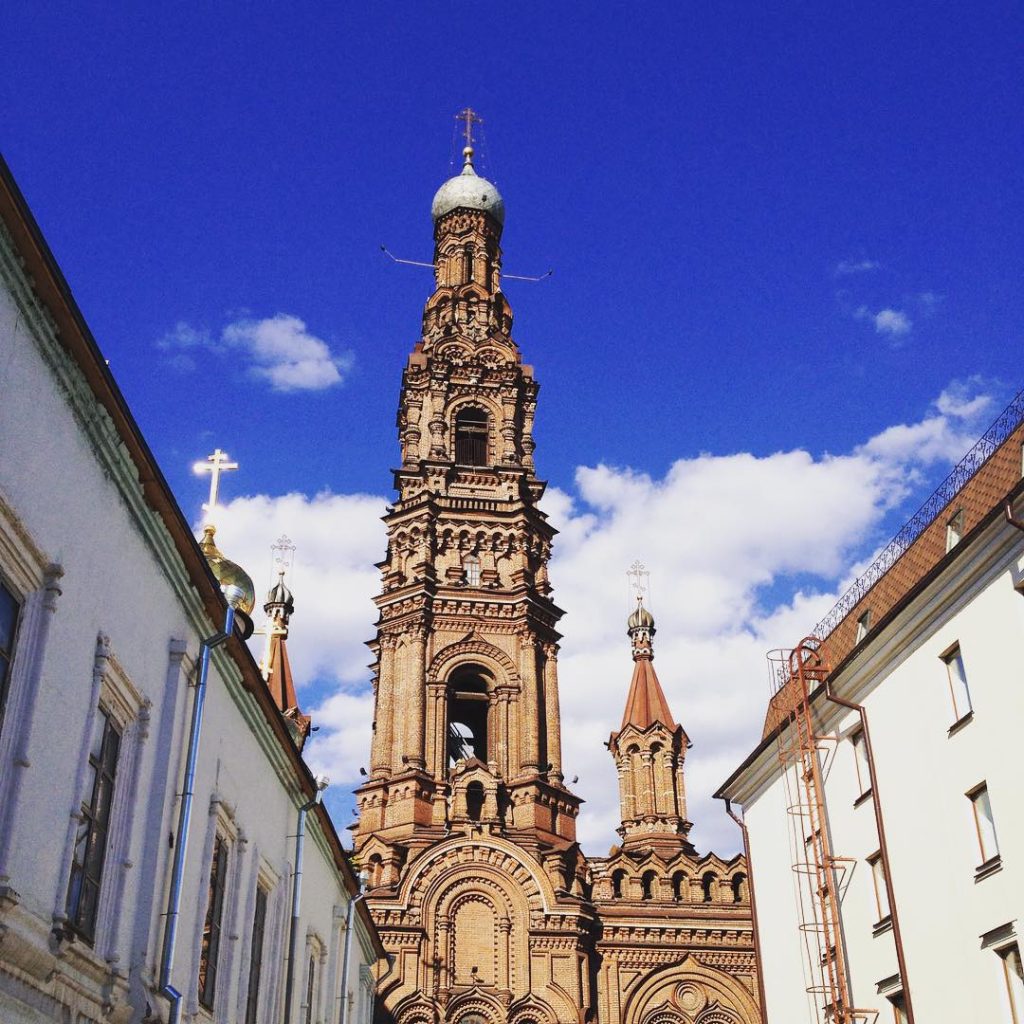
(293, 934)
(883, 846)
(753, 908)
(185, 816)
(349, 918)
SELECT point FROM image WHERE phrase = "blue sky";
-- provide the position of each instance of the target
(772, 231)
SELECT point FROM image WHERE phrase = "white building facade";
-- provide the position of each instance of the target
(105, 599)
(920, 808)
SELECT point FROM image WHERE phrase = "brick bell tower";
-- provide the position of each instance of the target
(466, 832)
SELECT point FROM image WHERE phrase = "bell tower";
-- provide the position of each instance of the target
(466, 724)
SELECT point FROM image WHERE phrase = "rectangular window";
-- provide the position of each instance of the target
(9, 609)
(259, 924)
(899, 1008)
(863, 625)
(984, 823)
(471, 566)
(881, 887)
(211, 928)
(310, 990)
(954, 529)
(860, 756)
(958, 691)
(90, 851)
(1014, 976)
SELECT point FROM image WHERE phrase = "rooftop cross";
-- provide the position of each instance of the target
(215, 464)
(283, 551)
(640, 580)
(470, 116)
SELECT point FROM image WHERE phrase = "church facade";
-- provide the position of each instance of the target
(485, 903)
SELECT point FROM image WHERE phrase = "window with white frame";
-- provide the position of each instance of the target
(984, 823)
(881, 886)
(899, 1007)
(209, 953)
(954, 529)
(863, 625)
(10, 610)
(1013, 974)
(860, 758)
(259, 927)
(959, 692)
(92, 836)
(471, 567)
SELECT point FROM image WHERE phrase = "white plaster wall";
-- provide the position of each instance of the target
(923, 775)
(113, 584)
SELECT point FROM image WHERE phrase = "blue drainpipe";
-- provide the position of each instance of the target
(184, 818)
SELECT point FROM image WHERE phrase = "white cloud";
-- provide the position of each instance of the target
(279, 350)
(847, 267)
(892, 322)
(746, 553)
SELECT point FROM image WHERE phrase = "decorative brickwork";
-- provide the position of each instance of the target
(466, 829)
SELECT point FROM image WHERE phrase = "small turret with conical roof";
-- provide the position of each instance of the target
(649, 750)
(276, 668)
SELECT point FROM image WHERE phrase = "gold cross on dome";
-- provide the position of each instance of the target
(470, 116)
(215, 464)
(640, 579)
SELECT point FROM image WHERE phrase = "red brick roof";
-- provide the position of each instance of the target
(646, 703)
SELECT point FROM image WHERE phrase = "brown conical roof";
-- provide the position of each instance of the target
(646, 703)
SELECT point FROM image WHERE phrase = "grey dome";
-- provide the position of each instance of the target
(468, 191)
(280, 595)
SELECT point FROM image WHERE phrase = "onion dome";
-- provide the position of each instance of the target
(279, 598)
(235, 583)
(468, 191)
(640, 619)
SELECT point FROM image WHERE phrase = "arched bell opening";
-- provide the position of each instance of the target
(468, 713)
(471, 431)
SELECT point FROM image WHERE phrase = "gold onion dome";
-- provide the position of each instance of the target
(235, 582)
(468, 191)
(641, 618)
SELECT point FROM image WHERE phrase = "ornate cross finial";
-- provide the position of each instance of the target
(283, 551)
(639, 579)
(470, 117)
(215, 464)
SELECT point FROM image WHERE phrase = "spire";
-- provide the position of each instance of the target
(276, 668)
(650, 746)
(646, 703)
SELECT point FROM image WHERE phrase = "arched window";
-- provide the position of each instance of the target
(738, 890)
(475, 800)
(468, 704)
(707, 884)
(471, 437)
(647, 884)
(678, 886)
(375, 869)
(618, 877)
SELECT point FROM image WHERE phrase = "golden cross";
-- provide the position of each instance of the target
(470, 116)
(215, 464)
(640, 578)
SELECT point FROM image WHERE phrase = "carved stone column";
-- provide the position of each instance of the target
(627, 800)
(504, 933)
(437, 721)
(384, 711)
(553, 723)
(529, 710)
(417, 696)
